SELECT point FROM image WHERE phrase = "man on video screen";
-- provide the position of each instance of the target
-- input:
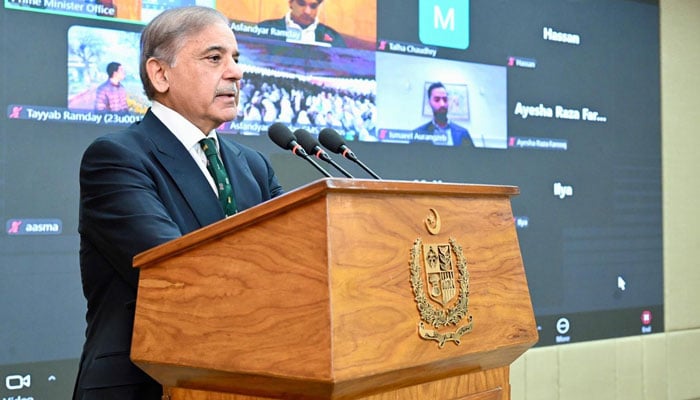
(440, 130)
(111, 95)
(302, 18)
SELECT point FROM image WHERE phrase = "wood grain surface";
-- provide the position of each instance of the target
(310, 296)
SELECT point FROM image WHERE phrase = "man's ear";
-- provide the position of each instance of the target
(158, 74)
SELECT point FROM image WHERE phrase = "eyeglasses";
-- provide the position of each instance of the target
(304, 3)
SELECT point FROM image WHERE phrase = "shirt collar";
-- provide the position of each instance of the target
(185, 131)
(291, 24)
(437, 127)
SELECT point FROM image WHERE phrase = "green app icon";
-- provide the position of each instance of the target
(444, 23)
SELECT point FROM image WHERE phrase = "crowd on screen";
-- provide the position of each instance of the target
(347, 106)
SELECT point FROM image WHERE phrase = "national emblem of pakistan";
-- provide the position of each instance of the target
(440, 282)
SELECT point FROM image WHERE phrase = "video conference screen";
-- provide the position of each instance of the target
(559, 98)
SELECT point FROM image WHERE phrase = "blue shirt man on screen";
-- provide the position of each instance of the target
(440, 130)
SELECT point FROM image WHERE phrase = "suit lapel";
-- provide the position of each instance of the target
(178, 163)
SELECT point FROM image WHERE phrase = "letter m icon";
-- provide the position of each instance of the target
(444, 23)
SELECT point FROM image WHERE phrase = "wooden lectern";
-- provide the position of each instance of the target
(341, 289)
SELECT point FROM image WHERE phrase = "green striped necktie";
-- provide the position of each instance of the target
(216, 169)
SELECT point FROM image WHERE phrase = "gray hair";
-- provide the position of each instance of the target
(166, 34)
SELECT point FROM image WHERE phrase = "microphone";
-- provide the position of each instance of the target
(284, 138)
(331, 140)
(312, 146)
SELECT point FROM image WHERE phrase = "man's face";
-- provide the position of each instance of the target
(203, 83)
(304, 11)
(119, 74)
(439, 101)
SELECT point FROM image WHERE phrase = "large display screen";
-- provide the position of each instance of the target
(559, 98)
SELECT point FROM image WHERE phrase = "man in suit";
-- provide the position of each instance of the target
(301, 25)
(150, 183)
(440, 130)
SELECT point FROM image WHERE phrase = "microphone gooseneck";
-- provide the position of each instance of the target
(284, 138)
(331, 140)
(312, 146)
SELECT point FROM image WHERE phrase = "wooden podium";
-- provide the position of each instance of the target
(341, 289)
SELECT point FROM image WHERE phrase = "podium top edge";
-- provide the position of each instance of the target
(310, 191)
(412, 187)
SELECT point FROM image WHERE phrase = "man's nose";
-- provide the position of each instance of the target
(234, 70)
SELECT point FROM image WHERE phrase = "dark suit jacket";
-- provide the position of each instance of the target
(460, 135)
(140, 188)
(324, 33)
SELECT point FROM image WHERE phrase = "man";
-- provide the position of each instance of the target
(111, 95)
(149, 184)
(440, 130)
(301, 25)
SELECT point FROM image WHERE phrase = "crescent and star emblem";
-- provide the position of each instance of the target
(432, 222)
